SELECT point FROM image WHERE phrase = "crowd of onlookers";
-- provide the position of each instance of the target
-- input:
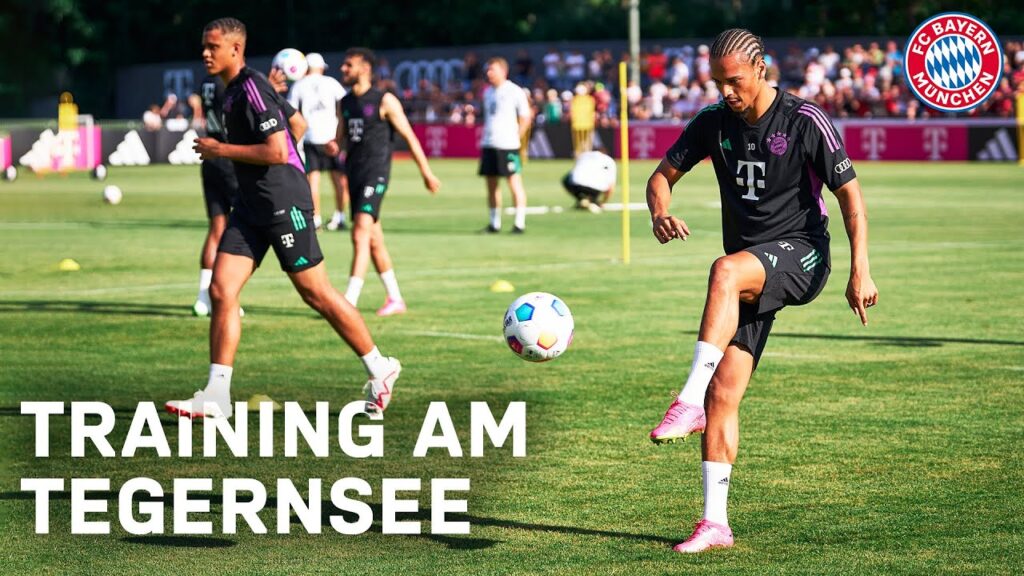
(858, 81)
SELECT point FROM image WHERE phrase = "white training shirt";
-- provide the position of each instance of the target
(502, 108)
(316, 96)
(594, 170)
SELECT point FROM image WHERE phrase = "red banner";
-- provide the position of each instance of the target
(649, 141)
(931, 141)
(449, 141)
(5, 152)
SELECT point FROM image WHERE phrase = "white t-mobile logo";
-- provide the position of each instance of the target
(752, 182)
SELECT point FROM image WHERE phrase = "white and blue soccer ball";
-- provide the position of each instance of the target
(292, 63)
(538, 327)
(112, 194)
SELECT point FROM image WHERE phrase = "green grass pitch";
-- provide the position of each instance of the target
(890, 449)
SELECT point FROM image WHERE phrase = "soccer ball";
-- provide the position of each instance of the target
(99, 172)
(11, 174)
(112, 194)
(538, 326)
(292, 63)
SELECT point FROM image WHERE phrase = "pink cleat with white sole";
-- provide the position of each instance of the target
(391, 307)
(706, 534)
(681, 420)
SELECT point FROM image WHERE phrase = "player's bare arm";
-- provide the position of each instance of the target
(659, 198)
(525, 121)
(392, 111)
(861, 292)
(272, 151)
(297, 125)
(334, 147)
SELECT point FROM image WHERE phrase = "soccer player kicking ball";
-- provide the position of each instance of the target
(274, 209)
(369, 116)
(771, 152)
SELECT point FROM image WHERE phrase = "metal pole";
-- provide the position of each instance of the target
(634, 41)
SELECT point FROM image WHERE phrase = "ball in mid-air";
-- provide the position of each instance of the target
(112, 194)
(538, 326)
(292, 63)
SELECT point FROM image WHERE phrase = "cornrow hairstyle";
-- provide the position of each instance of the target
(738, 41)
(365, 53)
(227, 26)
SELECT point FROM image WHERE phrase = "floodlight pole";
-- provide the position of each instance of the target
(634, 41)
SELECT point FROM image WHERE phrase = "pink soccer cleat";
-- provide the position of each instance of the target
(391, 307)
(680, 421)
(706, 534)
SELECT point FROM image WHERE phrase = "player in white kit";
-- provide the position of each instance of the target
(317, 97)
(592, 180)
(507, 118)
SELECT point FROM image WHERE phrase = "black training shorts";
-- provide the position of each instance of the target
(294, 240)
(795, 273)
(366, 192)
(220, 186)
(318, 160)
(497, 162)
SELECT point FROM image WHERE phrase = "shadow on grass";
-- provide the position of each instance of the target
(133, 308)
(904, 341)
(328, 510)
(180, 541)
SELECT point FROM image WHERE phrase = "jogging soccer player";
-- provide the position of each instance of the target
(220, 187)
(369, 115)
(507, 119)
(274, 209)
(316, 96)
(771, 152)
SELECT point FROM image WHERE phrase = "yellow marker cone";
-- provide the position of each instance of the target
(502, 286)
(256, 399)
(69, 265)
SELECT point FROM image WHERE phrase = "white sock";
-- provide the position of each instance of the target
(205, 279)
(219, 384)
(496, 218)
(375, 363)
(317, 221)
(355, 287)
(705, 360)
(391, 284)
(339, 216)
(520, 216)
(716, 491)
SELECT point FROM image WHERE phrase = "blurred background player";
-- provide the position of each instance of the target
(507, 119)
(220, 186)
(317, 97)
(219, 190)
(771, 152)
(369, 116)
(273, 210)
(592, 180)
(582, 119)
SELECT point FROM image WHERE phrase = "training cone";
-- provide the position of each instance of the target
(69, 265)
(256, 399)
(502, 286)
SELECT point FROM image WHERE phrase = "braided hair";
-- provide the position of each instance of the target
(738, 41)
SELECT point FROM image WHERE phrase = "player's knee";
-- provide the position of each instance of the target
(723, 272)
(313, 298)
(221, 294)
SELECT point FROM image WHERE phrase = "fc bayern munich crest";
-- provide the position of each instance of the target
(953, 62)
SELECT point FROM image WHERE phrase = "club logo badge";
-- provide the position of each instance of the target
(953, 62)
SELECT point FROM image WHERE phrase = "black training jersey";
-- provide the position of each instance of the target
(212, 92)
(770, 173)
(369, 135)
(252, 112)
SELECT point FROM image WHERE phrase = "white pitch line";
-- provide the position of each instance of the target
(456, 335)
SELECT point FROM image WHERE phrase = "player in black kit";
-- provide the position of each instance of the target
(368, 118)
(274, 209)
(772, 152)
(220, 186)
